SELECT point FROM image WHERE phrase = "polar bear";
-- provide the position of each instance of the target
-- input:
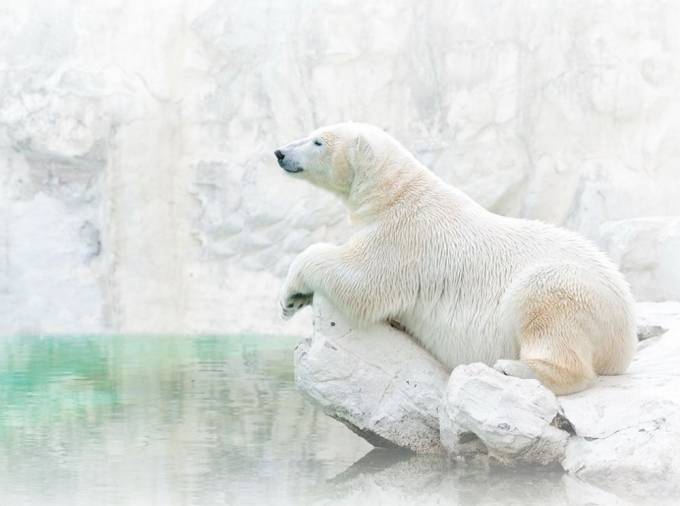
(530, 299)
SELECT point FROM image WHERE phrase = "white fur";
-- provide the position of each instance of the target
(468, 284)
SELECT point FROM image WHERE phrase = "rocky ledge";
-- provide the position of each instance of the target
(622, 432)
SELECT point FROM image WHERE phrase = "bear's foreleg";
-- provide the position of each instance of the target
(298, 289)
(351, 277)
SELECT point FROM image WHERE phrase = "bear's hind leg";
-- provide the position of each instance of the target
(561, 379)
(554, 345)
(561, 314)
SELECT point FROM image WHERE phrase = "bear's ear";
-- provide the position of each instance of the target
(360, 152)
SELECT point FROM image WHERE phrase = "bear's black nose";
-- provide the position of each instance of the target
(280, 156)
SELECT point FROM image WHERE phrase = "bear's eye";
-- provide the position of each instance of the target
(317, 142)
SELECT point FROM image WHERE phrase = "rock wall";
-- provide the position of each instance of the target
(648, 251)
(138, 191)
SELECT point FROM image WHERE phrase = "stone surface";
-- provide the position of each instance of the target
(628, 427)
(647, 250)
(619, 436)
(377, 381)
(509, 419)
(656, 318)
(136, 138)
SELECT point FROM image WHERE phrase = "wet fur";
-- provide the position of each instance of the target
(530, 298)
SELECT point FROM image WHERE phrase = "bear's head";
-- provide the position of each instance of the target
(363, 165)
(336, 157)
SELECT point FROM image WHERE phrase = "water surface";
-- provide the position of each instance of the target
(207, 420)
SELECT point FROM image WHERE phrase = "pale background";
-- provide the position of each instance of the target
(139, 191)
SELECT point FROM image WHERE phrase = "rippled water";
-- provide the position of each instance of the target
(207, 420)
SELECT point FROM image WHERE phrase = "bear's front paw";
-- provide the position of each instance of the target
(293, 303)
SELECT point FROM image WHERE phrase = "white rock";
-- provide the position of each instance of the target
(606, 191)
(629, 426)
(647, 251)
(377, 381)
(620, 436)
(510, 419)
(656, 318)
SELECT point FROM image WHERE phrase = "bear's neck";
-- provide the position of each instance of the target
(389, 185)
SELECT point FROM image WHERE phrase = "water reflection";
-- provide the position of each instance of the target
(149, 420)
(208, 420)
(383, 477)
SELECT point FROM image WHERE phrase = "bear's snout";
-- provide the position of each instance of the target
(286, 163)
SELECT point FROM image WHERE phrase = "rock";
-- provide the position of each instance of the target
(647, 252)
(656, 318)
(620, 435)
(604, 191)
(376, 380)
(509, 419)
(628, 427)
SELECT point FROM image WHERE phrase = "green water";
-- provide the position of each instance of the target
(208, 420)
(160, 420)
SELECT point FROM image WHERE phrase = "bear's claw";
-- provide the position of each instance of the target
(294, 303)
